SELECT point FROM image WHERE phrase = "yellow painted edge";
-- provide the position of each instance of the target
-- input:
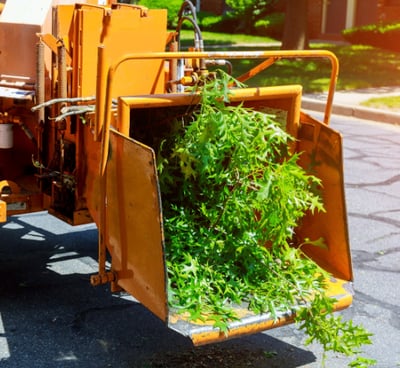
(3, 211)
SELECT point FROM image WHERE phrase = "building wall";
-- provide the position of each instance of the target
(389, 11)
(363, 17)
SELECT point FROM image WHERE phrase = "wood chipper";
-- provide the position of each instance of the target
(75, 78)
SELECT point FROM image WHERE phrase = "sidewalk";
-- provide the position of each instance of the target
(347, 103)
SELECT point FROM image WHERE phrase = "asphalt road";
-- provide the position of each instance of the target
(50, 315)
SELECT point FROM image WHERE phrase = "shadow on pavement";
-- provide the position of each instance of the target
(50, 315)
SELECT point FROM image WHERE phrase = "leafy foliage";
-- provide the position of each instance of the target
(232, 198)
(248, 12)
(250, 8)
(271, 25)
(332, 332)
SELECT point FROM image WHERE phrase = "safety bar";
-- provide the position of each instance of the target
(104, 109)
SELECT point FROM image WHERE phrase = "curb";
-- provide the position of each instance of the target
(353, 111)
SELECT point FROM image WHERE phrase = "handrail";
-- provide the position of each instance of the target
(283, 54)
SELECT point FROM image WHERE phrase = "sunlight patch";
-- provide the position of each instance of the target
(64, 255)
(83, 265)
(34, 235)
(4, 349)
(66, 357)
(52, 225)
(12, 226)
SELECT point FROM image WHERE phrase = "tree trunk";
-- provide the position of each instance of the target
(295, 34)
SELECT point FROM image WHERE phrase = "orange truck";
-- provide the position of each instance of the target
(77, 80)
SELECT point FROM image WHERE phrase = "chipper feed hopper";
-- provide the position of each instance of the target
(77, 79)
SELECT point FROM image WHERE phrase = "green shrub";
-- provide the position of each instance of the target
(208, 21)
(226, 23)
(385, 36)
(172, 6)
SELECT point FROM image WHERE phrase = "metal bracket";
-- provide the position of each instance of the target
(10, 185)
(104, 278)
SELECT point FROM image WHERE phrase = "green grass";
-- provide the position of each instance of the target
(213, 38)
(389, 102)
(360, 66)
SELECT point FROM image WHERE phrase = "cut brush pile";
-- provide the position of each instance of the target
(232, 196)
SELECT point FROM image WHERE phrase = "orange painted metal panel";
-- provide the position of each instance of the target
(322, 147)
(120, 30)
(62, 19)
(3, 211)
(133, 229)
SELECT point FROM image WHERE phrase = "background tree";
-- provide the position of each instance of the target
(249, 11)
(295, 33)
